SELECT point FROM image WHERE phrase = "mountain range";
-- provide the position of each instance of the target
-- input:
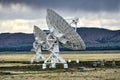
(94, 38)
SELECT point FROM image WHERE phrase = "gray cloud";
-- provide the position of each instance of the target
(31, 9)
(86, 5)
(16, 13)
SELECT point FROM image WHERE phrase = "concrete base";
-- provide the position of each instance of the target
(44, 66)
(53, 65)
(65, 65)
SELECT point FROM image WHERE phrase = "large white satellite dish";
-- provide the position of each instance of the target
(61, 33)
(62, 30)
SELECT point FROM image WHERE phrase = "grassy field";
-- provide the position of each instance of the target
(83, 56)
(107, 74)
(90, 73)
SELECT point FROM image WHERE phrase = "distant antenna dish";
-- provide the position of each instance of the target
(40, 37)
(39, 34)
(61, 33)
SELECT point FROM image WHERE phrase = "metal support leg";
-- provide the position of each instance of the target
(55, 58)
(37, 58)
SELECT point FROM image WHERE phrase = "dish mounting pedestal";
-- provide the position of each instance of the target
(54, 57)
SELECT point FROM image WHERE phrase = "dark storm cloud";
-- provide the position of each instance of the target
(86, 5)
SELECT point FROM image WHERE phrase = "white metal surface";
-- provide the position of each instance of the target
(75, 21)
(54, 52)
(40, 37)
(63, 31)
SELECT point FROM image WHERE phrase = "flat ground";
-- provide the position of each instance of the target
(90, 73)
(73, 55)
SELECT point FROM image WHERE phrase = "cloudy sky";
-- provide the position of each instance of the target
(21, 15)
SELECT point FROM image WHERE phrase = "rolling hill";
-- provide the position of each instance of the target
(94, 38)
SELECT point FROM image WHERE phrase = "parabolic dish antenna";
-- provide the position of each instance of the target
(67, 36)
(61, 33)
(39, 35)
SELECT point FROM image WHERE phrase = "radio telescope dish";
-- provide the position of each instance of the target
(40, 36)
(63, 31)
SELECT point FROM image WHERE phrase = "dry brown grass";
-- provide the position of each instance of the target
(84, 56)
(90, 74)
(107, 74)
(89, 57)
